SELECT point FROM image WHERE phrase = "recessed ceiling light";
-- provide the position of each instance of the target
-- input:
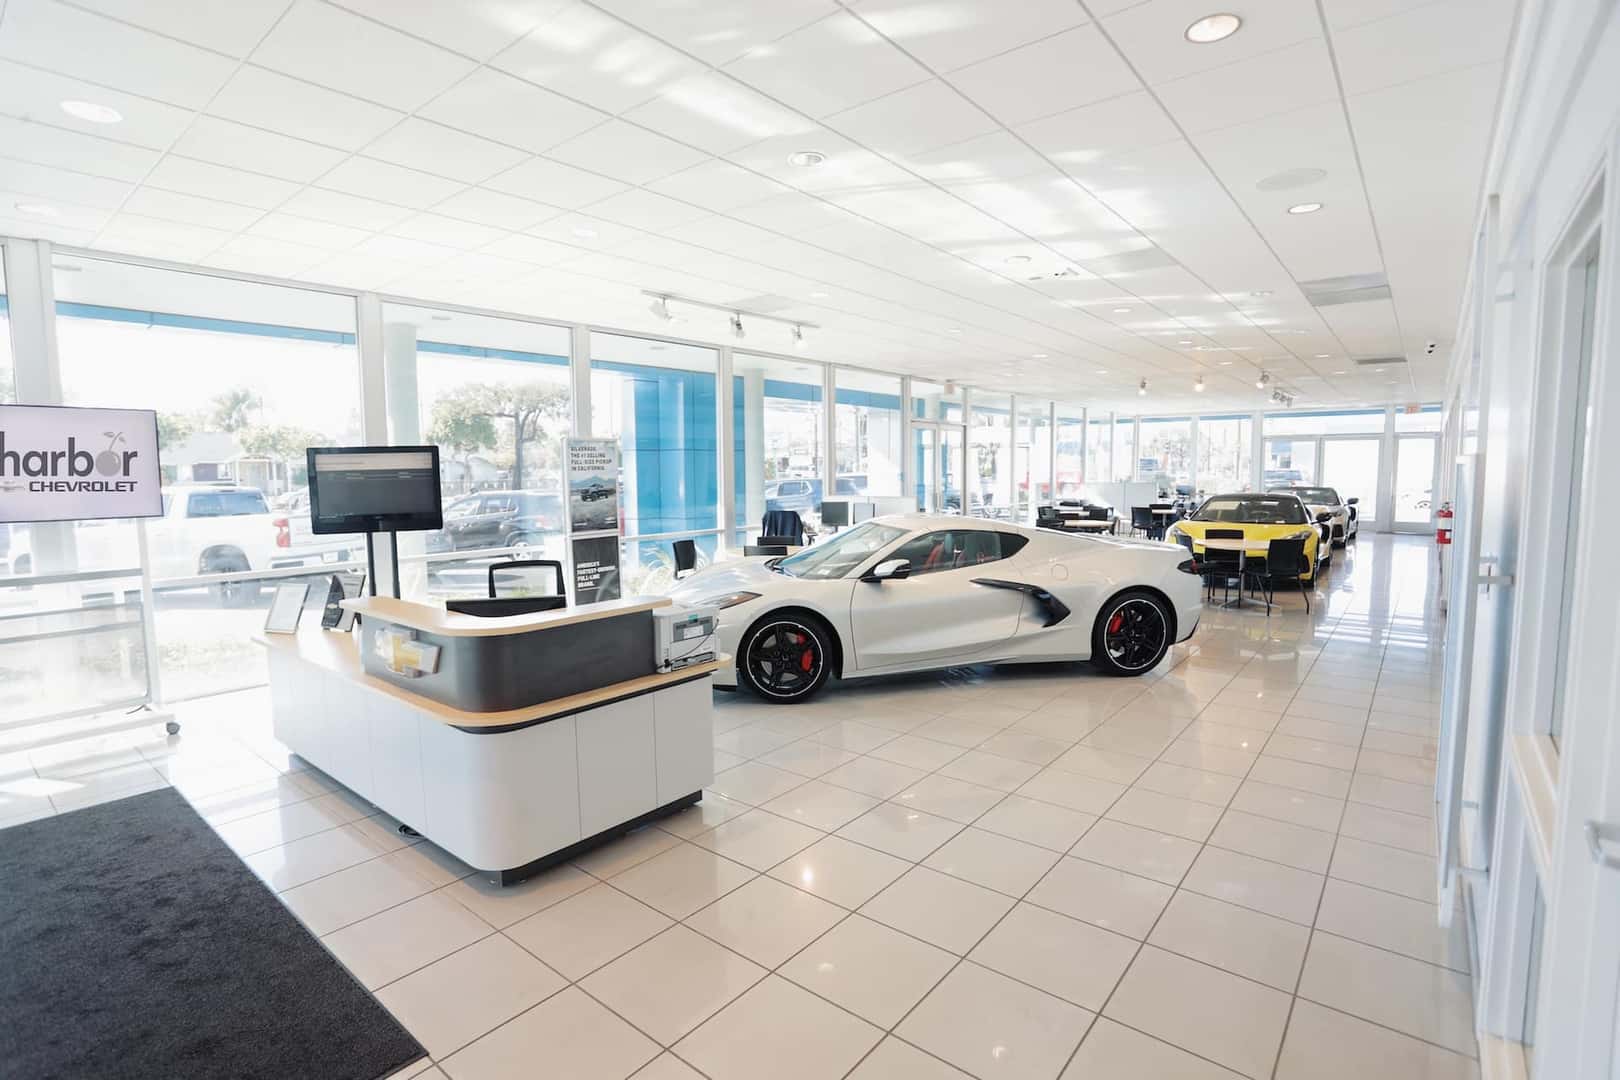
(953, 330)
(36, 209)
(1017, 260)
(1338, 373)
(1378, 371)
(806, 159)
(1226, 363)
(1323, 355)
(1305, 208)
(1213, 28)
(1102, 371)
(91, 112)
(1122, 311)
(818, 296)
(584, 232)
(1038, 356)
(1185, 342)
(1260, 293)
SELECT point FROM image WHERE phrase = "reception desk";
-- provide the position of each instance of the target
(581, 749)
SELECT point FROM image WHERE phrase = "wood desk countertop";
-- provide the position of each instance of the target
(434, 619)
(340, 653)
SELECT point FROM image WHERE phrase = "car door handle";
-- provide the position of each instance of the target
(1603, 841)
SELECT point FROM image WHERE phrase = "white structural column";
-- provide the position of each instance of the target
(726, 440)
(374, 409)
(1386, 474)
(908, 481)
(829, 428)
(1257, 454)
(405, 425)
(753, 389)
(579, 374)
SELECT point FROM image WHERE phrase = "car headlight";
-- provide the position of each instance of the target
(727, 600)
(1172, 532)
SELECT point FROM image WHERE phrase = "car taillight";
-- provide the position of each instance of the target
(1189, 566)
(283, 533)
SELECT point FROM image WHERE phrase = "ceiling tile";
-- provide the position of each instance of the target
(716, 113)
(531, 249)
(42, 229)
(30, 94)
(1092, 132)
(450, 232)
(1423, 40)
(63, 215)
(434, 148)
(847, 166)
(294, 229)
(586, 233)
(646, 210)
(475, 28)
(509, 110)
(998, 155)
(718, 185)
(1238, 93)
(796, 69)
(133, 234)
(226, 143)
(915, 120)
(370, 178)
(343, 51)
(191, 210)
(592, 57)
(47, 34)
(949, 34)
(267, 99)
(219, 182)
(46, 145)
(625, 152)
(45, 182)
(353, 271)
(262, 255)
(554, 183)
(1062, 72)
(232, 28)
(1152, 35)
(416, 252)
(496, 209)
(719, 30)
(342, 209)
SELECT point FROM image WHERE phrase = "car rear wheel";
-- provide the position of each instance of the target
(1132, 634)
(785, 659)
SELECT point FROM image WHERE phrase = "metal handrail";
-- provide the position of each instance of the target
(20, 581)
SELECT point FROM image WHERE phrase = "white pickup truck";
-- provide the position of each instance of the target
(205, 529)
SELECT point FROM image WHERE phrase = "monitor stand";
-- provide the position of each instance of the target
(371, 562)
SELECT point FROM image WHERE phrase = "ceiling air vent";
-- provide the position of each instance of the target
(1350, 289)
(1376, 361)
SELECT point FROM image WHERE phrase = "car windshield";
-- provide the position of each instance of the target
(1323, 496)
(835, 557)
(1253, 509)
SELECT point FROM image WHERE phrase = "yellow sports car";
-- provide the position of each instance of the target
(1261, 518)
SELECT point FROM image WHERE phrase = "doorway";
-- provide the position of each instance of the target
(937, 457)
(1350, 464)
(1416, 457)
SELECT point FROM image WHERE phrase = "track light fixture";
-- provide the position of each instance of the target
(737, 326)
(1263, 381)
(662, 305)
(1141, 388)
(798, 338)
(660, 308)
(1198, 384)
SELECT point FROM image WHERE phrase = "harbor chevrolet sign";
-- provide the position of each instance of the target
(65, 464)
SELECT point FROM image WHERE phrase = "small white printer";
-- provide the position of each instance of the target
(683, 636)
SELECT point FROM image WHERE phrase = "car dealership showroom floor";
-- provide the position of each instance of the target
(1223, 869)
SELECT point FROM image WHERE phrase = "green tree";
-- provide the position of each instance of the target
(280, 442)
(174, 429)
(233, 410)
(478, 415)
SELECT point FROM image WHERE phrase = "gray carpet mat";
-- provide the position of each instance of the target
(135, 944)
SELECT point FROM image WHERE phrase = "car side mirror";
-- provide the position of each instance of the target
(1353, 500)
(1324, 517)
(888, 570)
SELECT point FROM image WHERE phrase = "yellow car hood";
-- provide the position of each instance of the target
(1258, 535)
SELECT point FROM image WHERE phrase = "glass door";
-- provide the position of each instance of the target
(1289, 461)
(1351, 467)
(925, 460)
(1415, 459)
(952, 444)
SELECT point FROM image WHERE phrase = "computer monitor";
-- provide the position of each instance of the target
(835, 514)
(374, 489)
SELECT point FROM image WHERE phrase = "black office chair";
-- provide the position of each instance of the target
(1285, 561)
(786, 523)
(513, 589)
(1047, 517)
(1141, 520)
(685, 557)
(1224, 565)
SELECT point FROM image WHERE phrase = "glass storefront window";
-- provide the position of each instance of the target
(1167, 443)
(1071, 451)
(244, 377)
(1351, 422)
(494, 396)
(1420, 418)
(1100, 449)
(1125, 449)
(868, 414)
(1032, 460)
(990, 455)
(786, 398)
(933, 401)
(658, 399)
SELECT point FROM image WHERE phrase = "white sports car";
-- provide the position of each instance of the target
(1345, 524)
(914, 592)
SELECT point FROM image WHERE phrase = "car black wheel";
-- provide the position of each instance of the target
(1132, 634)
(786, 659)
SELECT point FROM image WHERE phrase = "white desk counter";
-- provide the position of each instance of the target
(508, 792)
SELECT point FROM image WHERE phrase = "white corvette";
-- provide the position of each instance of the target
(913, 592)
(1346, 518)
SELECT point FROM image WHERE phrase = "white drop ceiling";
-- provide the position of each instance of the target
(1055, 197)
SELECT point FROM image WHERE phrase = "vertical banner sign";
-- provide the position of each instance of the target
(591, 471)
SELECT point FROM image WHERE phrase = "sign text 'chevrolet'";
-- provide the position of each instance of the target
(67, 464)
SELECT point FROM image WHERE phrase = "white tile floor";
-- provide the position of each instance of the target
(1221, 870)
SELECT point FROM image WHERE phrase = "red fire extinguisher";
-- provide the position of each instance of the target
(1442, 532)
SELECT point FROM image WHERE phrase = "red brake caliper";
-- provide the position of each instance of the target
(1116, 622)
(809, 657)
